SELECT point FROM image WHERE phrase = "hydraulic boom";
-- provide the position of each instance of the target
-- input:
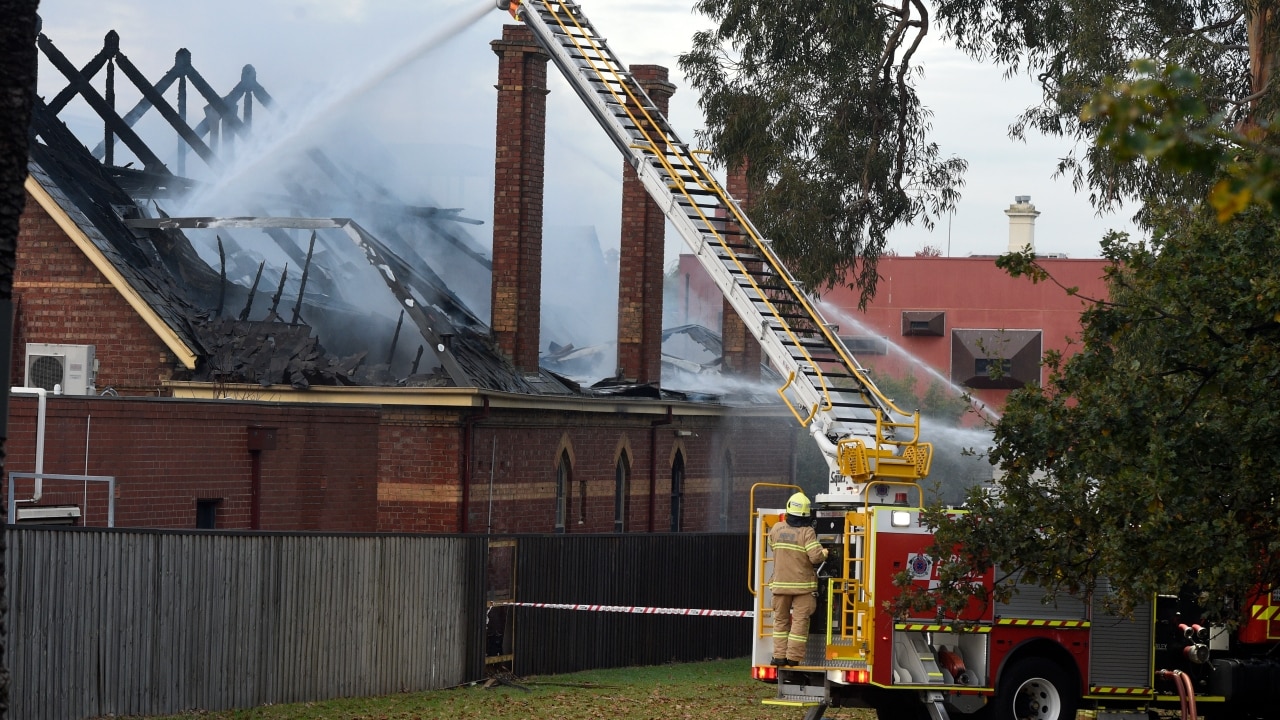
(861, 433)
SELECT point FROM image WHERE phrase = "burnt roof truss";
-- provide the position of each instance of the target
(435, 328)
(222, 119)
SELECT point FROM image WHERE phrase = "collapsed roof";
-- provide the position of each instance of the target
(298, 297)
(316, 285)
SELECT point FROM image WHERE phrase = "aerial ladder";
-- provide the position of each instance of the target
(864, 437)
(1017, 658)
(867, 441)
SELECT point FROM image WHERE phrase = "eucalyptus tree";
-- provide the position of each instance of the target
(818, 101)
(1150, 455)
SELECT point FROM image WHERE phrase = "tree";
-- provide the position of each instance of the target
(17, 89)
(1150, 456)
(820, 97)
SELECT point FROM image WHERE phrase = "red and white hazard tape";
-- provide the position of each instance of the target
(631, 609)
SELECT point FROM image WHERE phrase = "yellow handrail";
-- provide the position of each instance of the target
(751, 530)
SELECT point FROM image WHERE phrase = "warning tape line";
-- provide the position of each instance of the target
(635, 610)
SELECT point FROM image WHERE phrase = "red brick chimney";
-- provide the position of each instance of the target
(740, 353)
(517, 196)
(640, 259)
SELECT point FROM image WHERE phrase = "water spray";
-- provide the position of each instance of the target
(979, 406)
(286, 139)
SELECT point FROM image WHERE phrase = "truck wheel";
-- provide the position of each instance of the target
(1034, 689)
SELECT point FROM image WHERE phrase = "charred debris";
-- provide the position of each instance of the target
(299, 297)
(333, 280)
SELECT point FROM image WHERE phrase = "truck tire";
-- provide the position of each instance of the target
(1035, 688)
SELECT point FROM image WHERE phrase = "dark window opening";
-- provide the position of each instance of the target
(621, 493)
(866, 345)
(564, 480)
(994, 368)
(677, 492)
(923, 322)
(996, 359)
(207, 513)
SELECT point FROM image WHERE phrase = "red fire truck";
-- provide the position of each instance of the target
(1019, 659)
(1025, 658)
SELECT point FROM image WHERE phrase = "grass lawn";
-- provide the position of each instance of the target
(717, 690)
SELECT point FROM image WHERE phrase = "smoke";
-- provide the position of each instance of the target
(961, 460)
(290, 134)
(335, 151)
(579, 290)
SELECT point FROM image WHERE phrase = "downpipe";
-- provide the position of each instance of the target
(653, 462)
(468, 451)
(41, 416)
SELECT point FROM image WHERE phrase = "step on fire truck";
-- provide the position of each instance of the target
(1014, 660)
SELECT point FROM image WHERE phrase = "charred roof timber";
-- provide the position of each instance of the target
(431, 323)
(200, 275)
(118, 210)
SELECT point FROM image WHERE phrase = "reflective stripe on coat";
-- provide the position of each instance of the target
(795, 552)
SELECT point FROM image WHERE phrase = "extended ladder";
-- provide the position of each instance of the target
(824, 383)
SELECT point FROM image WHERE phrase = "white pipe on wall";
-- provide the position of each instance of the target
(40, 420)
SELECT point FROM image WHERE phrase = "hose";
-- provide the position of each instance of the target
(1186, 692)
(1191, 693)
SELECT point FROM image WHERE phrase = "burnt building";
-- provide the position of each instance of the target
(341, 359)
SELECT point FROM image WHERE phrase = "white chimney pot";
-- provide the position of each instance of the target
(1022, 224)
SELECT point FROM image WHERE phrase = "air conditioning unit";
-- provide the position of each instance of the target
(70, 368)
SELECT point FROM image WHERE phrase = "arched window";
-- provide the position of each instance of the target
(677, 492)
(726, 491)
(564, 485)
(621, 493)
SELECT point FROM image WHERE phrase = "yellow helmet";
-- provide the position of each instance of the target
(798, 505)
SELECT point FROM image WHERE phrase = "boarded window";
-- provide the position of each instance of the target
(677, 492)
(621, 493)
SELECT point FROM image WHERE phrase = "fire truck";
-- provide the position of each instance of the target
(1030, 657)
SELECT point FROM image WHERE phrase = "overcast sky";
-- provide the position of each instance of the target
(434, 121)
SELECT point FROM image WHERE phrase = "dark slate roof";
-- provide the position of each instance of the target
(204, 309)
(90, 202)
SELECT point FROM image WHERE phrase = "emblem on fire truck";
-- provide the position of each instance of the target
(921, 566)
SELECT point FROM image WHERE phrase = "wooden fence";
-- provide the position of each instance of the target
(118, 622)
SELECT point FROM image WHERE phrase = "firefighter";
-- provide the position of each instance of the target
(794, 583)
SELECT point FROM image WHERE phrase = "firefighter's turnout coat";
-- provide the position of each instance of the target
(795, 552)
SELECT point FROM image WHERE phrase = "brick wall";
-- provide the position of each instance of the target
(517, 199)
(641, 253)
(390, 469)
(60, 297)
(419, 466)
(518, 454)
(167, 454)
(741, 351)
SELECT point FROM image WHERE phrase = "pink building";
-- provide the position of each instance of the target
(961, 316)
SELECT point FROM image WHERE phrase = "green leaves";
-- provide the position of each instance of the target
(1162, 117)
(1149, 458)
(817, 101)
